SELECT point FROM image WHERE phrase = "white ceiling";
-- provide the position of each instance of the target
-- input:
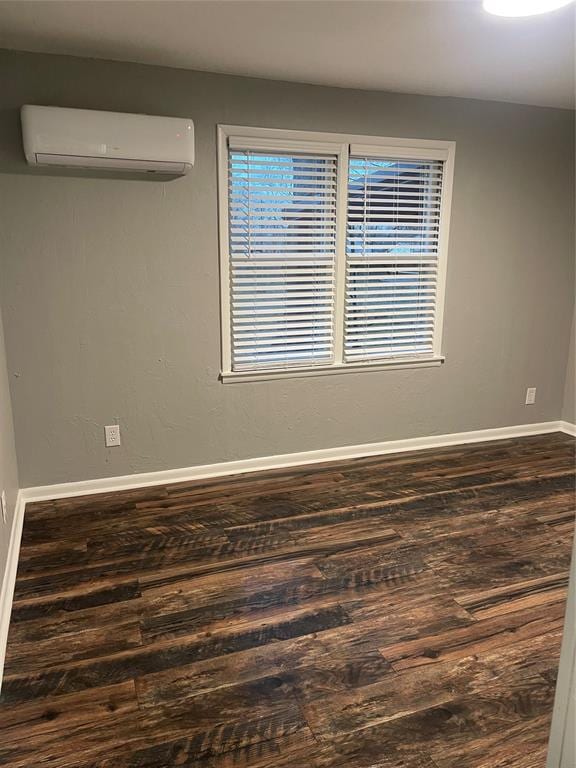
(441, 47)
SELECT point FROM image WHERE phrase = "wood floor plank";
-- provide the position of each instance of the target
(399, 611)
(452, 725)
(524, 745)
(53, 605)
(55, 732)
(417, 689)
(396, 696)
(128, 665)
(514, 597)
(170, 615)
(173, 565)
(171, 708)
(478, 636)
(61, 624)
(220, 739)
(34, 656)
(282, 752)
(504, 557)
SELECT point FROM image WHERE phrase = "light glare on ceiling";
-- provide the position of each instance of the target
(522, 7)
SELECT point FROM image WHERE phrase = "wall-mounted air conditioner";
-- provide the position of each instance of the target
(114, 141)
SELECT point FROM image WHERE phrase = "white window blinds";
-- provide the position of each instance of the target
(333, 251)
(282, 254)
(392, 241)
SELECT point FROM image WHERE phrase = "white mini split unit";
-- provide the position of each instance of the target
(113, 141)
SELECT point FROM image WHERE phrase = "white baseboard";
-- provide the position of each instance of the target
(566, 426)
(164, 477)
(9, 577)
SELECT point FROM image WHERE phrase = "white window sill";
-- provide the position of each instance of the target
(233, 377)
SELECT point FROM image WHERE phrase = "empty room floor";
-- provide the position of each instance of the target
(401, 611)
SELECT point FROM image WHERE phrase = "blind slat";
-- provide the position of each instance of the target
(251, 312)
(254, 336)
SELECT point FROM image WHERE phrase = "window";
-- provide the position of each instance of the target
(282, 257)
(333, 251)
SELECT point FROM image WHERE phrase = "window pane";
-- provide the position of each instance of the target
(282, 223)
(391, 257)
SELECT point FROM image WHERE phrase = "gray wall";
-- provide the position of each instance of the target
(569, 406)
(111, 286)
(8, 470)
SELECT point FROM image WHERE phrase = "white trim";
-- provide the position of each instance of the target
(567, 427)
(340, 266)
(163, 477)
(414, 150)
(225, 332)
(9, 576)
(262, 141)
(444, 235)
(329, 370)
(282, 134)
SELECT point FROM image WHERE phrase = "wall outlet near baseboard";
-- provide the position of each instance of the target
(530, 395)
(3, 506)
(112, 434)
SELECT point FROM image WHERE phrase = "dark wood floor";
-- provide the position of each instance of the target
(393, 612)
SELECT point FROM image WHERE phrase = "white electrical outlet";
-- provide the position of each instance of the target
(530, 395)
(112, 434)
(4, 506)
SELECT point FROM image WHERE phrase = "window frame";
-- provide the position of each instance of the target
(343, 146)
